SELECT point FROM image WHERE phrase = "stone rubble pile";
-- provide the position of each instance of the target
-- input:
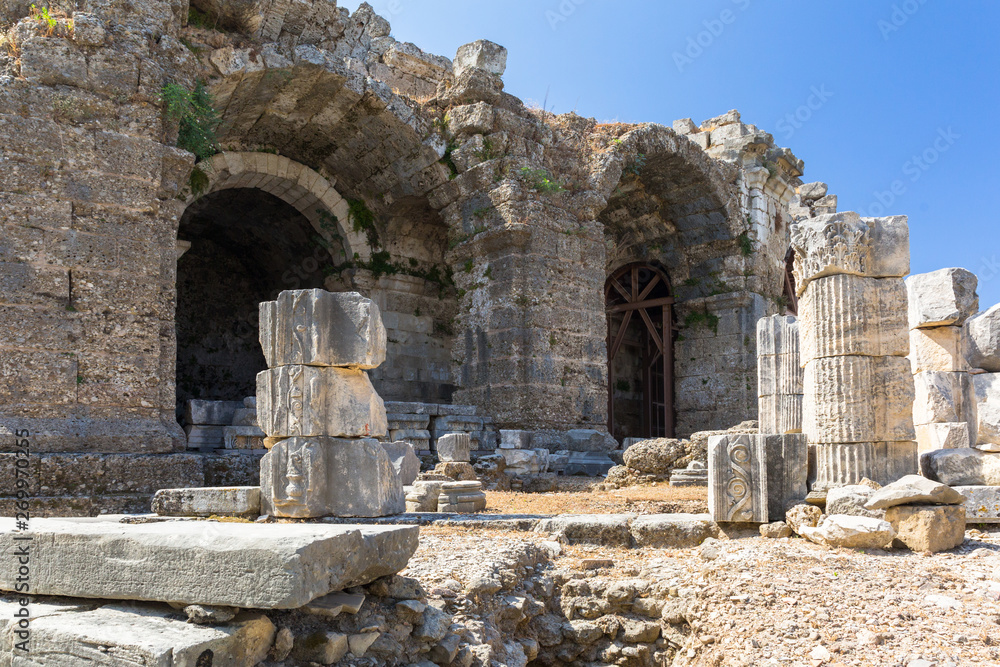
(858, 389)
(320, 411)
(944, 407)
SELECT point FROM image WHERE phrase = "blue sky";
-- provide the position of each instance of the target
(893, 103)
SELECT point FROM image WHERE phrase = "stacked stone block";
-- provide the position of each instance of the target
(319, 409)
(944, 409)
(857, 386)
(779, 375)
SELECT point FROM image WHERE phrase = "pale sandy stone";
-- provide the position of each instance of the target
(944, 397)
(923, 528)
(246, 565)
(982, 503)
(852, 315)
(453, 447)
(945, 435)
(987, 387)
(858, 399)
(317, 401)
(206, 501)
(404, 460)
(961, 467)
(319, 476)
(461, 497)
(845, 243)
(780, 414)
(779, 374)
(984, 340)
(913, 490)
(481, 54)
(777, 334)
(945, 296)
(319, 328)
(938, 349)
(853, 532)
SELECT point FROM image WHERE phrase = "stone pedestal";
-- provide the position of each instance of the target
(752, 478)
(461, 497)
(857, 386)
(318, 409)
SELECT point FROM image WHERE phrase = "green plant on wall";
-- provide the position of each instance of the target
(540, 180)
(702, 318)
(197, 119)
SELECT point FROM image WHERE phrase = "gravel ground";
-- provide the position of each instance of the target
(653, 499)
(754, 601)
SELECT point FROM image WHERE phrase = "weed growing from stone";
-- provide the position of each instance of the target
(196, 117)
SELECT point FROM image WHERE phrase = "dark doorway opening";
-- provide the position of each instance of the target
(639, 306)
(246, 246)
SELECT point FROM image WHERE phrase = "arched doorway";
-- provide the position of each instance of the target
(639, 307)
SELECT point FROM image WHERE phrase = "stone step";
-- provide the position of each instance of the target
(433, 409)
(203, 562)
(136, 634)
(451, 423)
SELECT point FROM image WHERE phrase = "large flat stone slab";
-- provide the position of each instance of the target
(255, 566)
(206, 501)
(139, 635)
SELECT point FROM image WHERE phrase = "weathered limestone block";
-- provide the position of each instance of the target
(850, 315)
(404, 460)
(423, 496)
(938, 298)
(463, 497)
(858, 399)
(984, 340)
(313, 477)
(515, 439)
(454, 447)
(206, 501)
(850, 500)
(842, 464)
(421, 440)
(927, 528)
(129, 635)
(399, 421)
(987, 387)
(481, 54)
(204, 562)
(319, 328)
(317, 401)
(591, 464)
(754, 477)
(982, 503)
(913, 490)
(939, 349)
(944, 397)
(522, 461)
(777, 335)
(961, 467)
(852, 532)
(845, 243)
(946, 435)
(672, 531)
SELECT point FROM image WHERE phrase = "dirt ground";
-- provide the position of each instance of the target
(655, 499)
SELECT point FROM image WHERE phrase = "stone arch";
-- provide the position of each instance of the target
(292, 182)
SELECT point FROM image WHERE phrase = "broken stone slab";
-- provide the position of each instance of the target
(844, 315)
(481, 54)
(600, 529)
(987, 386)
(319, 328)
(314, 477)
(454, 447)
(853, 532)
(404, 460)
(946, 435)
(398, 421)
(251, 566)
(939, 349)
(591, 464)
(942, 297)
(961, 467)
(672, 531)
(845, 243)
(944, 397)
(984, 340)
(217, 413)
(850, 500)
(208, 501)
(982, 503)
(924, 528)
(913, 490)
(752, 478)
(334, 604)
(141, 634)
(522, 461)
(243, 437)
(812, 191)
(318, 401)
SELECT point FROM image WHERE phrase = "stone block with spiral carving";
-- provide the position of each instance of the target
(752, 478)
